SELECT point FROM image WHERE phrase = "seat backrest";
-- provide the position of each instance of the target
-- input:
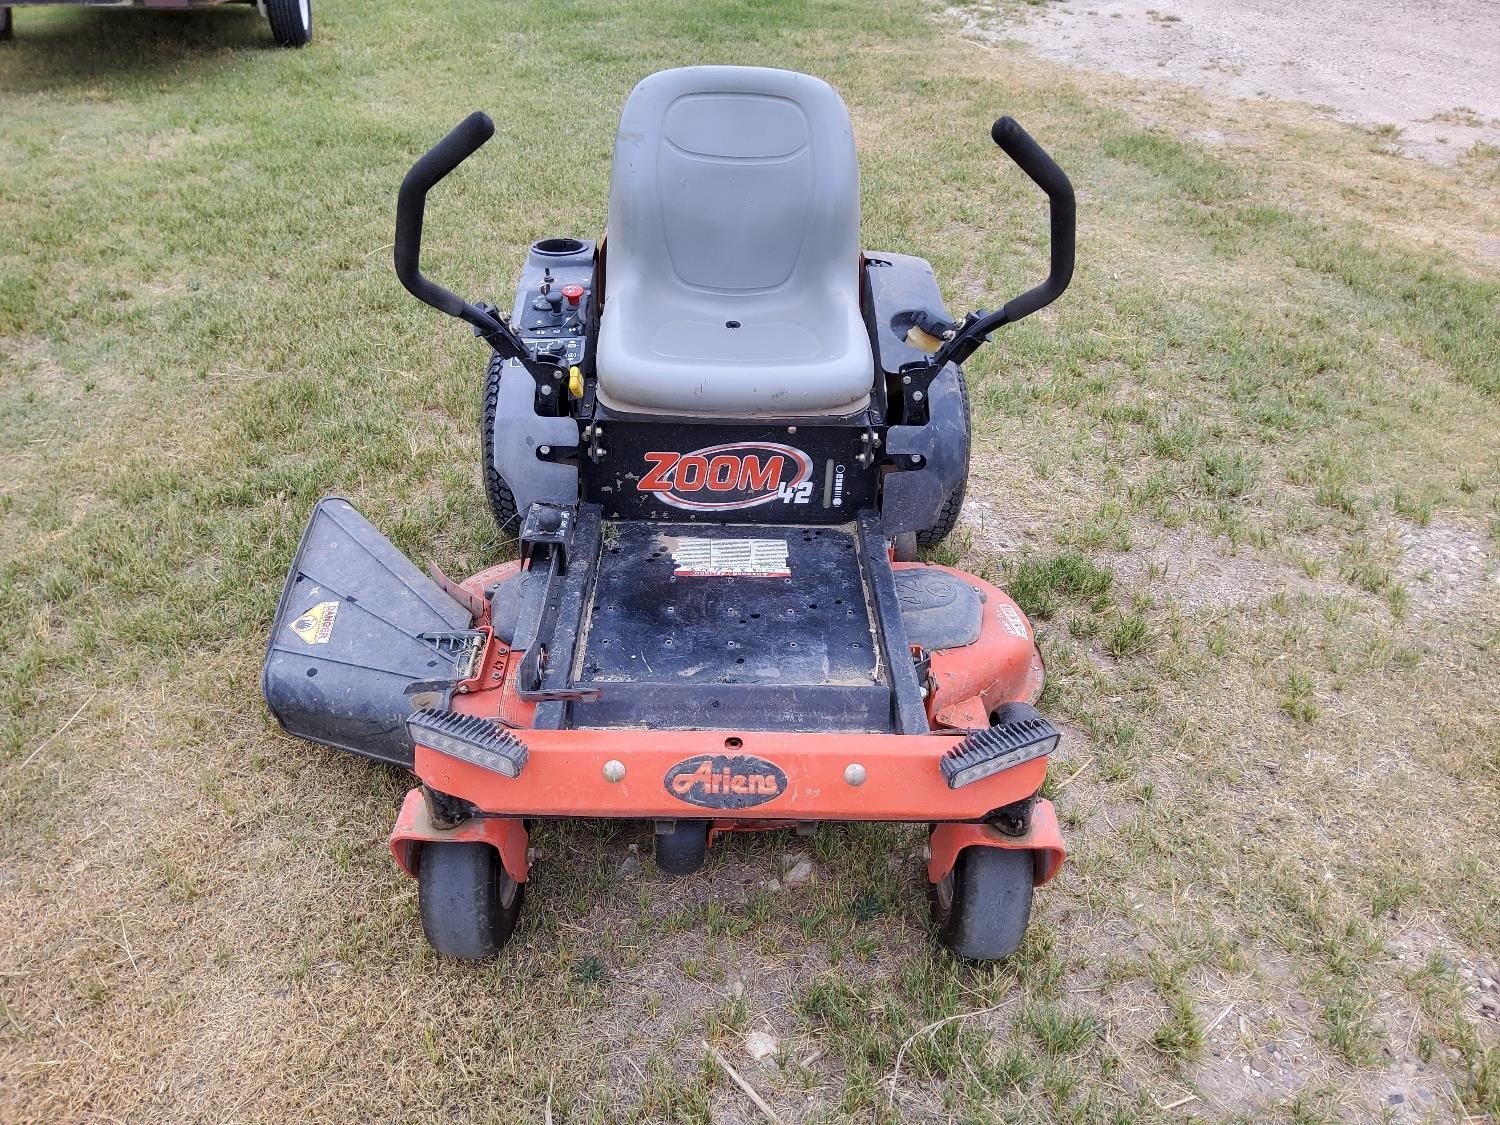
(735, 178)
(734, 200)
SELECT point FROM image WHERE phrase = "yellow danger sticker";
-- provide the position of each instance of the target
(316, 625)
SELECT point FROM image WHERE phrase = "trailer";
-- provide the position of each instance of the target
(291, 20)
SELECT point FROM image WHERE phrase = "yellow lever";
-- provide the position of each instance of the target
(922, 341)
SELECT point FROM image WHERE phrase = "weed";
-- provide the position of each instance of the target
(1348, 1027)
(1298, 698)
(1416, 509)
(1480, 1092)
(1180, 1036)
(1228, 474)
(1128, 636)
(1037, 584)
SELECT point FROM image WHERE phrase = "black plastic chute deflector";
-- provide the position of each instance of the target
(357, 625)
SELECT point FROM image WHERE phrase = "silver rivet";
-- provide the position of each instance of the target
(791, 429)
(614, 770)
(544, 450)
(854, 773)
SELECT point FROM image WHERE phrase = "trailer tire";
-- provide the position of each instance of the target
(930, 537)
(291, 22)
(502, 500)
(983, 905)
(469, 903)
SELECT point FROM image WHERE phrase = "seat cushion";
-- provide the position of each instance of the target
(732, 262)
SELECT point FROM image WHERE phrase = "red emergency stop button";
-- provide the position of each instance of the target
(574, 293)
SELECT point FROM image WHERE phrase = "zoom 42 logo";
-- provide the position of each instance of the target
(718, 478)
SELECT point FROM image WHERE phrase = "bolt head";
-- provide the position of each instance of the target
(614, 770)
(854, 773)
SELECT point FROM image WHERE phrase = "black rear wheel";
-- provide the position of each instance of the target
(7, 24)
(983, 906)
(291, 22)
(930, 537)
(497, 492)
(469, 903)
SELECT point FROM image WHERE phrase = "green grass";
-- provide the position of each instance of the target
(1196, 473)
(1039, 585)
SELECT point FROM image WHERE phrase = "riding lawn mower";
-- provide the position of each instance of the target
(721, 436)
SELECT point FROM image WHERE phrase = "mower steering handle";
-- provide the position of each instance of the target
(460, 144)
(1032, 159)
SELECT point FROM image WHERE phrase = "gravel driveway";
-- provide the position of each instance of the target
(1430, 69)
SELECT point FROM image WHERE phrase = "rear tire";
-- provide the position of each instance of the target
(7, 25)
(469, 903)
(981, 909)
(291, 22)
(930, 537)
(683, 850)
(497, 492)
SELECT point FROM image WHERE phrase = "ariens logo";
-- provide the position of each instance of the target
(724, 781)
(718, 478)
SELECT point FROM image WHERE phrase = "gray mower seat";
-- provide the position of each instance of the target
(732, 274)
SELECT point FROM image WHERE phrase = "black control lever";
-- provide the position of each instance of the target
(1032, 159)
(466, 138)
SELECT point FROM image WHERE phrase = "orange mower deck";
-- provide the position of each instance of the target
(801, 777)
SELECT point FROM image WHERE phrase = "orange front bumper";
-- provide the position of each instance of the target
(821, 777)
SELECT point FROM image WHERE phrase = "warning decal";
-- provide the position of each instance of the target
(316, 625)
(731, 558)
(1011, 619)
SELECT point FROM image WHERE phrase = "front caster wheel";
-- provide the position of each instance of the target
(981, 908)
(469, 904)
(683, 850)
(291, 22)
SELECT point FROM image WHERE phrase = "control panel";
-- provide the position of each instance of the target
(554, 300)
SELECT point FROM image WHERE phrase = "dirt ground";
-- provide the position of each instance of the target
(1431, 70)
